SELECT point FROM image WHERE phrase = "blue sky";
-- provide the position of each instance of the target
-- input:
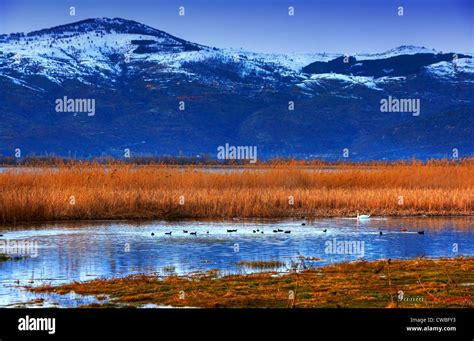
(346, 26)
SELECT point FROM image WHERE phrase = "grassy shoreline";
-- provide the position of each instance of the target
(102, 192)
(426, 283)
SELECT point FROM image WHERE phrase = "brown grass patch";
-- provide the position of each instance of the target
(424, 282)
(153, 192)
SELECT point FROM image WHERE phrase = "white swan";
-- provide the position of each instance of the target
(363, 216)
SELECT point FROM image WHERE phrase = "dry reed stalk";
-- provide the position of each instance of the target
(154, 192)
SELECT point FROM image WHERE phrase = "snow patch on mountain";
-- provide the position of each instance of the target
(451, 69)
(23, 83)
(398, 51)
(369, 82)
(81, 55)
(292, 61)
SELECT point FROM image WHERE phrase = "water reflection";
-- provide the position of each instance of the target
(78, 251)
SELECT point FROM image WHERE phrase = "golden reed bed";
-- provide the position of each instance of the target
(118, 191)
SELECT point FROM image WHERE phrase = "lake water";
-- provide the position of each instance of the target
(65, 252)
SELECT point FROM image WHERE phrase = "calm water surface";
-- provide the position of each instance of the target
(65, 252)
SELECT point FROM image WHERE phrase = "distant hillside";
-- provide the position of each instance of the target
(140, 78)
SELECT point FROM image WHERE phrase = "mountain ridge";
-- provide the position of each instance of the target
(240, 97)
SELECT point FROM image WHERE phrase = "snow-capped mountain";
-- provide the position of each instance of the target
(100, 47)
(89, 47)
(398, 51)
(137, 74)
